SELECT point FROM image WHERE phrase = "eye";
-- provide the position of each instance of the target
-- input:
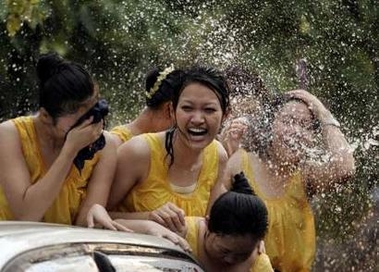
(210, 110)
(186, 108)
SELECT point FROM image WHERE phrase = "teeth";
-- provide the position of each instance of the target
(196, 130)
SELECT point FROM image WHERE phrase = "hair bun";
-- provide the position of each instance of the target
(47, 66)
(241, 185)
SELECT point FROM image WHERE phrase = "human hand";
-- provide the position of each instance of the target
(160, 231)
(232, 136)
(314, 105)
(84, 134)
(170, 216)
(99, 216)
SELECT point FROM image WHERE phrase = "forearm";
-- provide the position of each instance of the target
(39, 196)
(341, 160)
(130, 215)
(139, 226)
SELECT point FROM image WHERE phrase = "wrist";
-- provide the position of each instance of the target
(331, 121)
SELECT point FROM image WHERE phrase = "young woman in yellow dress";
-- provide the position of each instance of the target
(167, 175)
(56, 164)
(156, 116)
(229, 238)
(288, 164)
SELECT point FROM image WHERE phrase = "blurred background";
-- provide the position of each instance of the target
(329, 47)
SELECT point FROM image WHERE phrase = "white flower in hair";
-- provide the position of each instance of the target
(158, 82)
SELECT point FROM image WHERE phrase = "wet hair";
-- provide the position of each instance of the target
(166, 89)
(207, 76)
(244, 82)
(239, 212)
(260, 125)
(63, 85)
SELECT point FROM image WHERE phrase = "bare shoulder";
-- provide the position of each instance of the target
(8, 134)
(222, 154)
(235, 161)
(136, 147)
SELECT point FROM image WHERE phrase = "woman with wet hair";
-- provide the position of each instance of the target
(297, 149)
(156, 116)
(228, 239)
(49, 170)
(167, 175)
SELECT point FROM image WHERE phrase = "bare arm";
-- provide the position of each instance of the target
(219, 187)
(29, 201)
(133, 163)
(101, 180)
(339, 160)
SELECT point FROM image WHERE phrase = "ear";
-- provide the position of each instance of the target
(45, 116)
(168, 111)
(206, 220)
(226, 114)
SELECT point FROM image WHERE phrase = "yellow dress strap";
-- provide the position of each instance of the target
(122, 132)
(192, 235)
(262, 264)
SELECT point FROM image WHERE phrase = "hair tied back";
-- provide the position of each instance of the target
(241, 184)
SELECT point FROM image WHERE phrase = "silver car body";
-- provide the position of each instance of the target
(32, 246)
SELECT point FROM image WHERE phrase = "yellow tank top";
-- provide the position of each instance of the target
(66, 206)
(155, 191)
(261, 263)
(291, 239)
(122, 132)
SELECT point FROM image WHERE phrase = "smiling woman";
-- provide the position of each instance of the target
(165, 176)
(38, 179)
(285, 167)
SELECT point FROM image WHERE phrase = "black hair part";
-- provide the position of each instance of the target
(239, 212)
(64, 85)
(166, 87)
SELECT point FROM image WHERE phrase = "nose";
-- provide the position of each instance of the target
(197, 117)
(230, 259)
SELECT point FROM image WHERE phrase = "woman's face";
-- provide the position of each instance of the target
(229, 249)
(198, 115)
(293, 132)
(65, 122)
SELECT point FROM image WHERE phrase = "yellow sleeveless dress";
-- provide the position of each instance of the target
(291, 239)
(66, 206)
(122, 132)
(155, 191)
(261, 263)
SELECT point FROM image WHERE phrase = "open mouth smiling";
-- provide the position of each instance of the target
(197, 131)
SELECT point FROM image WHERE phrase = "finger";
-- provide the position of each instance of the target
(121, 227)
(168, 220)
(90, 222)
(157, 218)
(178, 216)
(108, 224)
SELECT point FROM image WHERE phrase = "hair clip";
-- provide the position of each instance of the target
(160, 78)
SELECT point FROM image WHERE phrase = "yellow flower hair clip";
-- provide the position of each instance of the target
(158, 82)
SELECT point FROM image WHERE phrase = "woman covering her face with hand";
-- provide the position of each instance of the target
(167, 175)
(49, 170)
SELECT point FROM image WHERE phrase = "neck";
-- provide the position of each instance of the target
(185, 156)
(46, 135)
(144, 122)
